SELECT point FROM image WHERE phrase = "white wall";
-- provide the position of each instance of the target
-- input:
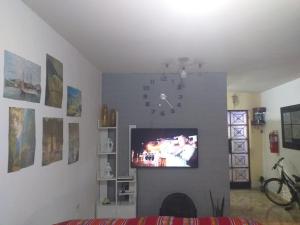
(284, 95)
(39, 195)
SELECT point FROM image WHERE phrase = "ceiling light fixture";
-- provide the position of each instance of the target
(184, 66)
(188, 66)
(183, 73)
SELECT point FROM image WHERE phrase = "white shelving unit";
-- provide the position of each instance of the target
(120, 190)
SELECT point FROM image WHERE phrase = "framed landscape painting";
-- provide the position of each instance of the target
(54, 82)
(74, 102)
(52, 140)
(73, 143)
(22, 78)
(21, 138)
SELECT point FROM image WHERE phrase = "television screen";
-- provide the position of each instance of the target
(164, 147)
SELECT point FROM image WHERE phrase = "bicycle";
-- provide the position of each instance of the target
(283, 191)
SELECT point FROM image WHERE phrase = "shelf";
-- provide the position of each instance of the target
(125, 179)
(112, 204)
(126, 193)
(104, 128)
(120, 189)
(106, 179)
(106, 153)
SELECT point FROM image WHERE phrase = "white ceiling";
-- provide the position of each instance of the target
(256, 41)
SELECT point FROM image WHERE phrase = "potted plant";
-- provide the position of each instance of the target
(217, 209)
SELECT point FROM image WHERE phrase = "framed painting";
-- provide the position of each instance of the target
(22, 78)
(52, 140)
(73, 143)
(21, 138)
(54, 82)
(73, 102)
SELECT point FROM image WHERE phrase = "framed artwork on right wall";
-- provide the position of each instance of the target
(290, 125)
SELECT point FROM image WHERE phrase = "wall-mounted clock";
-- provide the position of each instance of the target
(163, 95)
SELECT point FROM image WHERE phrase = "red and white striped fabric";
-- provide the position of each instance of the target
(164, 220)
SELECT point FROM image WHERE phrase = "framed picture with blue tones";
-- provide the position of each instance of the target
(74, 102)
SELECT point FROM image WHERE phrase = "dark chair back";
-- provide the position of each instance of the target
(178, 205)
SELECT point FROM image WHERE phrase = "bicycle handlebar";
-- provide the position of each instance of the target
(276, 164)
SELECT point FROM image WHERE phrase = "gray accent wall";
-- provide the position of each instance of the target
(203, 107)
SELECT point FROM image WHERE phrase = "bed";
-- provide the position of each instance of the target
(164, 220)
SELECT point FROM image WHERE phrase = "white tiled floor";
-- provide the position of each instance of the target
(255, 205)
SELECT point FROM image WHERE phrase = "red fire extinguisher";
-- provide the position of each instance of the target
(274, 143)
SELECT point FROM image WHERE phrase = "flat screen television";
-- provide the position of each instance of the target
(164, 147)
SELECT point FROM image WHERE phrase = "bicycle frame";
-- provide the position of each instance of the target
(288, 189)
(290, 183)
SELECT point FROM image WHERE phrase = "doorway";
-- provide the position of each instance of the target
(238, 141)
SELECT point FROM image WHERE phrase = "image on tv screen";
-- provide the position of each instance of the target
(164, 147)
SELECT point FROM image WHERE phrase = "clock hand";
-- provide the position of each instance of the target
(163, 96)
(169, 103)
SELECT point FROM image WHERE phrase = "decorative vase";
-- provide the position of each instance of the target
(107, 171)
(104, 116)
(113, 117)
(109, 145)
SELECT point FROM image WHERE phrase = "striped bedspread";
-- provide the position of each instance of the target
(164, 220)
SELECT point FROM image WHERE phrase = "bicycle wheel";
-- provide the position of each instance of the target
(278, 192)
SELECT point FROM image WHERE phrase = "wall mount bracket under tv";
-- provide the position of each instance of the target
(164, 147)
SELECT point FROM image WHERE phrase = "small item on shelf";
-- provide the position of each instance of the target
(125, 177)
(123, 188)
(106, 201)
(113, 117)
(107, 171)
(109, 145)
(104, 116)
